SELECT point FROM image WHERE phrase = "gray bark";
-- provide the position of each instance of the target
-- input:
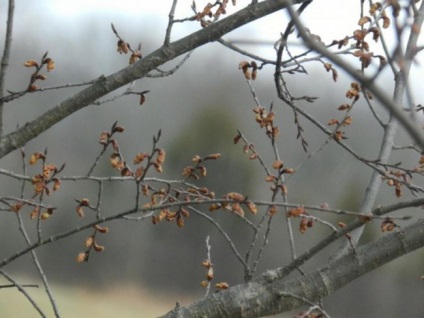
(267, 295)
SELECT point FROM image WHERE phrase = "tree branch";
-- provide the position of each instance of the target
(105, 85)
(258, 298)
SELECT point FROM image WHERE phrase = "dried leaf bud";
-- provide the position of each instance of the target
(333, 121)
(115, 160)
(50, 64)
(98, 248)
(32, 88)
(303, 226)
(247, 74)
(252, 207)
(236, 208)
(82, 257)
(254, 156)
(244, 65)
(363, 20)
(359, 35)
(295, 212)
(140, 157)
(158, 167)
(41, 77)
(80, 211)
(118, 129)
(16, 207)
(214, 207)
(30, 63)
(237, 138)
(126, 172)
(196, 159)
(85, 202)
(235, 196)
(347, 121)
(34, 213)
(278, 164)
(45, 215)
(335, 74)
(122, 47)
(272, 210)
(161, 156)
(288, 171)
(284, 189)
(101, 229)
(142, 99)
(204, 283)
(145, 190)
(89, 241)
(184, 212)
(374, 7)
(203, 171)
(386, 22)
(270, 178)
(344, 107)
(213, 156)
(341, 224)
(104, 137)
(56, 184)
(35, 157)
(209, 275)
(398, 190)
(328, 66)
(180, 221)
(222, 285)
(206, 263)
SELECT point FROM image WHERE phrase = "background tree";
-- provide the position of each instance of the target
(264, 215)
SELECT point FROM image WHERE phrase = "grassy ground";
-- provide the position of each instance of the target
(125, 302)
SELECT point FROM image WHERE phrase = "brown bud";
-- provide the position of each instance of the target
(235, 196)
(30, 63)
(82, 257)
(89, 241)
(222, 285)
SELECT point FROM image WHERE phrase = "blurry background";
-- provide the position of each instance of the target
(146, 268)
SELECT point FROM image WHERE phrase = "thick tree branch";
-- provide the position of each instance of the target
(5, 57)
(105, 85)
(256, 299)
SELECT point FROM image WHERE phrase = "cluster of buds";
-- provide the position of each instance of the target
(91, 244)
(199, 170)
(306, 221)
(124, 47)
(156, 159)
(360, 34)
(171, 216)
(81, 204)
(208, 12)
(276, 180)
(236, 206)
(17, 207)
(35, 76)
(266, 120)
(329, 68)
(48, 175)
(245, 66)
(210, 275)
(354, 92)
(396, 179)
